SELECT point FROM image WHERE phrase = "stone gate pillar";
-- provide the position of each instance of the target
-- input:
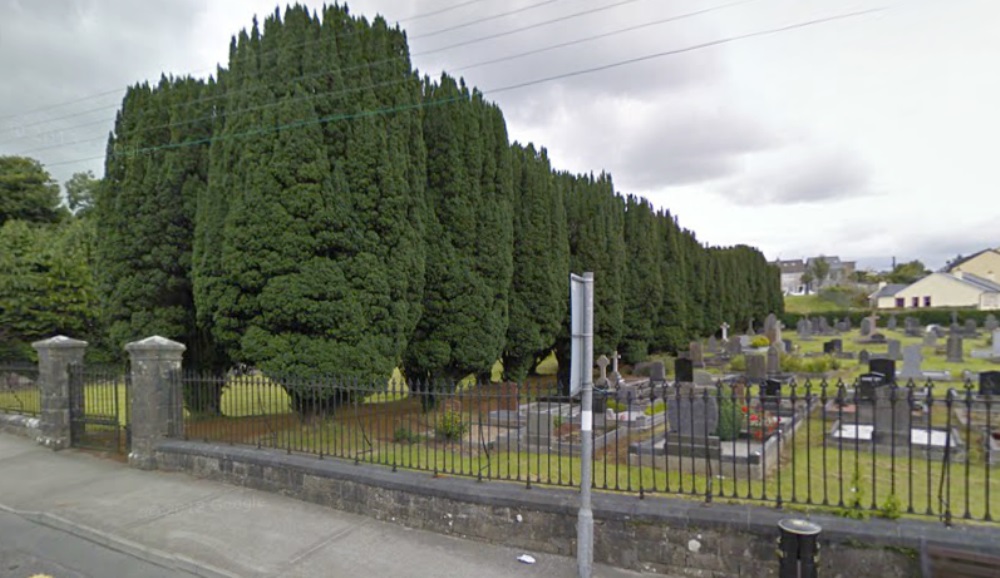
(156, 407)
(55, 356)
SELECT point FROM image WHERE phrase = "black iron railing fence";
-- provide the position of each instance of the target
(19, 391)
(858, 449)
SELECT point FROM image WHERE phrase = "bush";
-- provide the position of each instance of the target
(738, 363)
(451, 426)
(405, 435)
(729, 420)
(617, 406)
(760, 341)
(791, 363)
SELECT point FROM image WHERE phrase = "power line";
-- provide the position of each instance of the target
(47, 107)
(487, 19)
(390, 60)
(591, 70)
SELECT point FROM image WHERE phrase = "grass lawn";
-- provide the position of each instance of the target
(809, 304)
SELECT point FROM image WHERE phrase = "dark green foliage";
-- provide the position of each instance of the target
(643, 282)
(28, 192)
(46, 286)
(539, 288)
(319, 266)
(469, 236)
(145, 213)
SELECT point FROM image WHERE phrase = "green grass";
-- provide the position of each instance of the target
(809, 304)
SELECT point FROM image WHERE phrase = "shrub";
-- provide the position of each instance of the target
(760, 341)
(405, 435)
(451, 426)
(557, 421)
(738, 363)
(617, 406)
(791, 363)
(892, 508)
(729, 420)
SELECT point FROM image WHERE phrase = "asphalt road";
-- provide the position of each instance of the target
(28, 548)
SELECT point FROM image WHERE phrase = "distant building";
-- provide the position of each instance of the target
(958, 289)
(984, 264)
(841, 273)
(791, 276)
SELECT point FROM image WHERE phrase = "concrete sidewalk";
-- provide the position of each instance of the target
(205, 528)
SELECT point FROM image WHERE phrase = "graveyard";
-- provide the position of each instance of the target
(814, 421)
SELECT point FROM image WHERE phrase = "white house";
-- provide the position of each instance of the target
(985, 264)
(957, 289)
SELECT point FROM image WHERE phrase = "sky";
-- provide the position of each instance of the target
(867, 136)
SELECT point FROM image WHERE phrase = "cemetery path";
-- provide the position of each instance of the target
(186, 526)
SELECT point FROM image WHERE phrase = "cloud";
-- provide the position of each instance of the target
(802, 173)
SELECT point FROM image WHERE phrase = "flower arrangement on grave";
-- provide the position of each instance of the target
(758, 424)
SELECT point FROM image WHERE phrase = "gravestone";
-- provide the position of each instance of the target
(770, 395)
(877, 338)
(713, 345)
(745, 341)
(750, 329)
(693, 413)
(864, 357)
(725, 331)
(887, 367)
(602, 381)
(866, 327)
(996, 343)
(892, 416)
(683, 370)
(696, 354)
(989, 383)
(824, 326)
(912, 358)
(868, 383)
(833, 347)
(615, 375)
(734, 347)
(912, 327)
(702, 377)
(817, 327)
(756, 367)
(895, 349)
(954, 350)
(891, 324)
(804, 329)
(787, 343)
(847, 324)
(772, 330)
(971, 328)
(991, 324)
(930, 339)
(657, 373)
(774, 359)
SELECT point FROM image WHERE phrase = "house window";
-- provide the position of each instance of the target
(915, 301)
(927, 301)
(900, 302)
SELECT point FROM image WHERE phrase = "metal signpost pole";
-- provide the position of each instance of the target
(582, 380)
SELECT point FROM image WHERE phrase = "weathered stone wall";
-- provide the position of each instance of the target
(661, 534)
(21, 425)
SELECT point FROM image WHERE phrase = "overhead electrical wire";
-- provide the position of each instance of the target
(517, 86)
(371, 65)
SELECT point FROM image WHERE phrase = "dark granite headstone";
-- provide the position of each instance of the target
(788, 345)
(864, 357)
(683, 370)
(989, 383)
(867, 383)
(886, 367)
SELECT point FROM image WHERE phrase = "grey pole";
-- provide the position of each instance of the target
(585, 519)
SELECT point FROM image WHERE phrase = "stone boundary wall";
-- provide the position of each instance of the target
(21, 425)
(656, 534)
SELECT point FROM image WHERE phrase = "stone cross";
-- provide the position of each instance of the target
(603, 362)
(954, 317)
(614, 367)
(725, 331)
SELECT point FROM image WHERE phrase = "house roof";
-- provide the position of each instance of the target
(889, 290)
(979, 283)
(791, 266)
(951, 266)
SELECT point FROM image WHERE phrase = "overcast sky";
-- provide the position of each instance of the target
(867, 137)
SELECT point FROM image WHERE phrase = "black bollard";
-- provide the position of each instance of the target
(798, 551)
